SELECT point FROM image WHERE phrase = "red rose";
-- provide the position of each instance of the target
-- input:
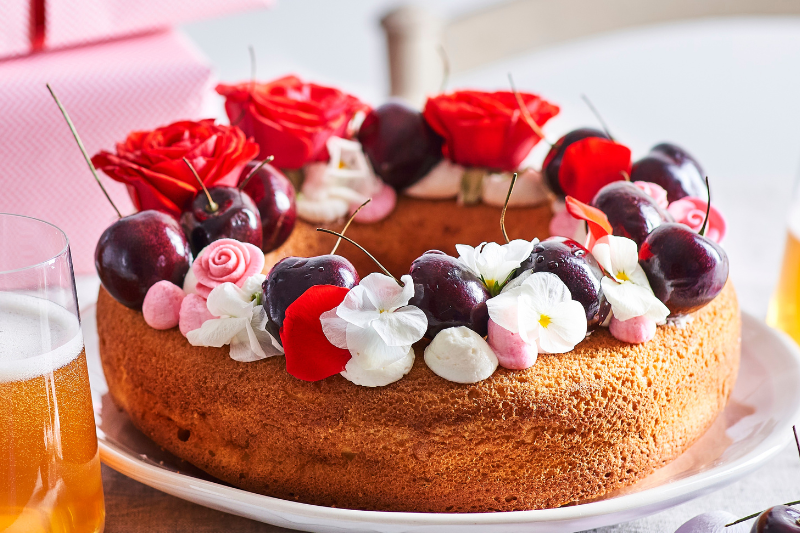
(486, 129)
(289, 119)
(151, 162)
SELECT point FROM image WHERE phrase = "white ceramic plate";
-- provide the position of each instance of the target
(752, 429)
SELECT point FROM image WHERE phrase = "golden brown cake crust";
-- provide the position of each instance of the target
(572, 427)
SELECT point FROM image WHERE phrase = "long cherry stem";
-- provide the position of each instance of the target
(597, 115)
(505, 206)
(213, 206)
(702, 231)
(252, 173)
(525, 113)
(82, 148)
(354, 243)
(349, 221)
(748, 517)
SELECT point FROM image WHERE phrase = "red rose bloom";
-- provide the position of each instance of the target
(590, 164)
(289, 119)
(151, 162)
(487, 129)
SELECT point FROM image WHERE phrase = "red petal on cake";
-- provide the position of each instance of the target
(309, 354)
(590, 164)
(597, 220)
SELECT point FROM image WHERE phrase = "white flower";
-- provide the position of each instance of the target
(240, 323)
(494, 263)
(375, 322)
(627, 289)
(330, 191)
(540, 309)
(378, 377)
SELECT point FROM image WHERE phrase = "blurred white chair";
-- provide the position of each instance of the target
(414, 35)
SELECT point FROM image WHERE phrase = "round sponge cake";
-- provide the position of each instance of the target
(572, 427)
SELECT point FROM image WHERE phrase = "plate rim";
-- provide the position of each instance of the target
(680, 490)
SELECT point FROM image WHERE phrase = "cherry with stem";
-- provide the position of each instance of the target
(253, 172)
(525, 113)
(505, 206)
(350, 220)
(788, 504)
(212, 205)
(82, 148)
(598, 116)
(354, 243)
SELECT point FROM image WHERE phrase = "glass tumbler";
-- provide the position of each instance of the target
(49, 462)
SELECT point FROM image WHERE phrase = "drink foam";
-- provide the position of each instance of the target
(36, 337)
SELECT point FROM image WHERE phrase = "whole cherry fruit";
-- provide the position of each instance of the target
(449, 294)
(630, 211)
(235, 217)
(579, 271)
(674, 169)
(552, 163)
(139, 250)
(400, 145)
(292, 276)
(686, 271)
(778, 519)
(274, 196)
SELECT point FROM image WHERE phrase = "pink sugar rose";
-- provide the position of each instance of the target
(692, 212)
(226, 260)
(654, 191)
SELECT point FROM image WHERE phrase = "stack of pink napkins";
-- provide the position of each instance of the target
(117, 66)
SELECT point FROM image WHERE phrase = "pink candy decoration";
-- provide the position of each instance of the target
(194, 312)
(692, 212)
(654, 191)
(563, 225)
(635, 330)
(226, 260)
(512, 352)
(380, 207)
(162, 305)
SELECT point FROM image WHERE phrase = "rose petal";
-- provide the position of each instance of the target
(309, 354)
(590, 164)
(597, 221)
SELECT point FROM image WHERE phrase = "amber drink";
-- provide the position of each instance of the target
(49, 464)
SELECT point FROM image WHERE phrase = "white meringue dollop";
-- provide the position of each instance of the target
(441, 183)
(529, 189)
(460, 355)
(357, 373)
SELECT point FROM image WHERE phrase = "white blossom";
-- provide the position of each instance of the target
(495, 263)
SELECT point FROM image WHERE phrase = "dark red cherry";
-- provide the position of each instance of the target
(552, 163)
(400, 145)
(139, 250)
(236, 217)
(449, 294)
(579, 271)
(674, 169)
(274, 196)
(630, 211)
(778, 519)
(292, 276)
(685, 270)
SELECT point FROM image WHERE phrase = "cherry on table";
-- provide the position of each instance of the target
(400, 145)
(630, 211)
(235, 217)
(579, 271)
(292, 276)
(778, 519)
(274, 195)
(449, 294)
(139, 250)
(552, 163)
(685, 270)
(674, 169)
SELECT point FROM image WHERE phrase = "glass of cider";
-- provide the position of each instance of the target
(49, 462)
(784, 307)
